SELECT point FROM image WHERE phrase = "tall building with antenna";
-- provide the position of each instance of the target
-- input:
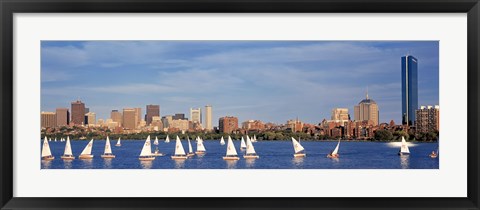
(367, 110)
(409, 89)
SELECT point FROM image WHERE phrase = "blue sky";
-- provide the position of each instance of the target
(272, 81)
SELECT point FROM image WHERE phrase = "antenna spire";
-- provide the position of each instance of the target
(367, 92)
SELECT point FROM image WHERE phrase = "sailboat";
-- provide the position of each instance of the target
(200, 147)
(299, 150)
(67, 154)
(231, 151)
(334, 153)
(87, 152)
(46, 153)
(118, 143)
(55, 139)
(222, 141)
(243, 146)
(254, 138)
(50, 139)
(179, 151)
(146, 153)
(108, 150)
(167, 140)
(250, 153)
(404, 148)
(190, 149)
(434, 154)
(157, 151)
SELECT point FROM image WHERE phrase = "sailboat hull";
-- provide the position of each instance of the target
(403, 153)
(85, 157)
(200, 152)
(179, 157)
(118, 145)
(300, 155)
(108, 156)
(68, 157)
(146, 158)
(231, 158)
(157, 154)
(48, 158)
(333, 156)
(251, 156)
(433, 155)
(191, 154)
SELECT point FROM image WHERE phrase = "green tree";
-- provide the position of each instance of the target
(383, 135)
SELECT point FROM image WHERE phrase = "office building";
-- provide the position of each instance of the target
(340, 115)
(152, 111)
(78, 112)
(196, 115)
(228, 124)
(367, 110)
(179, 116)
(90, 118)
(130, 118)
(409, 89)
(427, 119)
(138, 114)
(63, 116)
(208, 118)
(48, 119)
(117, 117)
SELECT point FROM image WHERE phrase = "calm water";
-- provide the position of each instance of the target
(273, 155)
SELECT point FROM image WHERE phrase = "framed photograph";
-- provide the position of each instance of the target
(239, 105)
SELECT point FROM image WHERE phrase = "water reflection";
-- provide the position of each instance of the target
(107, 163)
(250, 163)
(298, 162)
(146, 164)
(404, 161)
(46, 164)
(231, 164)
(67, 164)
(87, 163)
(179, 163)
(335, 162)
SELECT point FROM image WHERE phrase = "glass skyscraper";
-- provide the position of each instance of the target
(409, 89)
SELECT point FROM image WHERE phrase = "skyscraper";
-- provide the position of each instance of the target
(367, 110)
(208, 118)
(409, 89)
(196, 115)
(427, 119)
(152, 110)
(48, 120)
(130, 118)
(78, 112)
(63, 116)
(138, 113)
(116, 116)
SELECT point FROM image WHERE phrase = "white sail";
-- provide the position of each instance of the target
(108, 149)
(250, 148)
(254, 138)
(147, 149)
(46, 148)
(55, 139)
(156, 141)
(404, 147)
(68, 148)
(231, 148)
(335, 151)
(50, 139)
(200, 146)
(190, 149)
(297, 146)
(179, 147)
(222, 141)
(167, 140)
(118, 142)
(242, 143)
(88, 148)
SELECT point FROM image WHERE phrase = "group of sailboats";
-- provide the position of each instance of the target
(232, 152)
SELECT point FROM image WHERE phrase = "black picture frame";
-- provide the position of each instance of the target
(10, 7)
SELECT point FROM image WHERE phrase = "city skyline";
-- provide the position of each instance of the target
(251, 80)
